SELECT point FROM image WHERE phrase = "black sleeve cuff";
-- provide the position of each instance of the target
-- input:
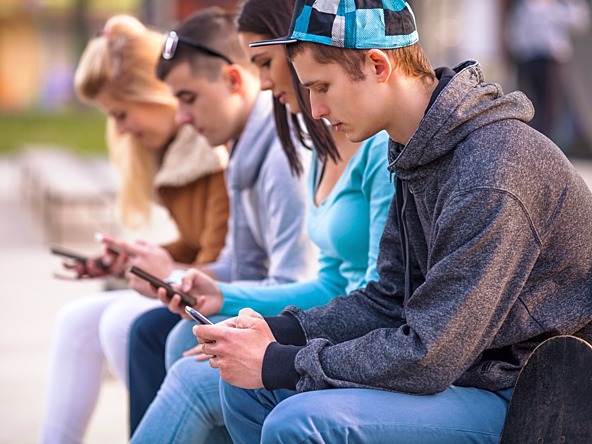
(279, 371)
(286, 329)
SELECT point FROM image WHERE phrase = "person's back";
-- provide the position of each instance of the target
(509, 190)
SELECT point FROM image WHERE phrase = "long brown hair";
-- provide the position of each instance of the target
(271, 18)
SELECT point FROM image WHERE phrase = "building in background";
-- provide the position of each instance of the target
(41, 41)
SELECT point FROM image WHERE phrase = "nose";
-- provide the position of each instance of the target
(265, 81)
(318, 108)
(183, 116)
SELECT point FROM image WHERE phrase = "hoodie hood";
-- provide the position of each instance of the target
(189, 157)
(470, 104)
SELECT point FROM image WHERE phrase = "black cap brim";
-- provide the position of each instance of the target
(279, 41)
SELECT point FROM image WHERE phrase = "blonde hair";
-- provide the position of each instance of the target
(122, 60)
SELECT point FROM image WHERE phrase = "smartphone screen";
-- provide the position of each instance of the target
(197, 316)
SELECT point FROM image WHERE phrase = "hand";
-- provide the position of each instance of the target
(197, 352)
(151, 258)
(237, 347)
(202, 287)
(105, 264)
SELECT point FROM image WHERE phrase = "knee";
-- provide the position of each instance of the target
(197, 376)
(179, 340)
(142, 330)
(76, 319)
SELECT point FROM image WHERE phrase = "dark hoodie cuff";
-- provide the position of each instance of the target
(279, 370)
(286, 329)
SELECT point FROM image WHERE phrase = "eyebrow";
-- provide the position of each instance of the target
(254, 58)
(311, 83)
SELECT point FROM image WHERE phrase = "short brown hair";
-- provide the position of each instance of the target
(411, 60)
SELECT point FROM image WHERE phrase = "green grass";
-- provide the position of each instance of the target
(81, 130)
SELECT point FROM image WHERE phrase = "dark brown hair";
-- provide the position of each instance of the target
(213, 28)
(271, 18)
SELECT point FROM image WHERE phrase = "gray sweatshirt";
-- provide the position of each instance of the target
(499, 257)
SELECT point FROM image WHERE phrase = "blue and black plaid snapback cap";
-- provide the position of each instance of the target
(358, 24)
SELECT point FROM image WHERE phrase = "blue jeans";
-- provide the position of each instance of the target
(181, 339)
(187, 407)
(457, 415)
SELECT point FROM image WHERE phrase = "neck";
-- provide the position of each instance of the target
(411, 99)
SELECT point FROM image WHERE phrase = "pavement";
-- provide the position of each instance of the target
(32, 298)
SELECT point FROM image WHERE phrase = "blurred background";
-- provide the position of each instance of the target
(56, 185)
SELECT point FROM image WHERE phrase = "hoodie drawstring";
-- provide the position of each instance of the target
(401, 193)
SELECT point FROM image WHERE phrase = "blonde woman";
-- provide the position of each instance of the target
(159, 160)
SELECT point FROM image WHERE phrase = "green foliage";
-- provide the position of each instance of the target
(81, 130)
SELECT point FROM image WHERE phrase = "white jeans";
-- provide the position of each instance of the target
(90, 335)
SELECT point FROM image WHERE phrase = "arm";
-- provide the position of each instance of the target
(450, 319)
(215, 220)
(270, 300)
(369, 187)
(282, 198)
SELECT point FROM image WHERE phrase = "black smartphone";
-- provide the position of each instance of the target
(78, 257)
(69, 254)
(197, 316)
(186, 298)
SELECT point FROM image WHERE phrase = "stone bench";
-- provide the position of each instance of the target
(68, 194)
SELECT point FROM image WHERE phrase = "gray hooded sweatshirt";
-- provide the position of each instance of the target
(488, 253)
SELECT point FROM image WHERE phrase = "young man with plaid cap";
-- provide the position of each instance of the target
(486, 253)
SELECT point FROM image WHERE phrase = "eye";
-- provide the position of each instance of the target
(322, 88)
(187, 99)
(120, 117)
(265, 64)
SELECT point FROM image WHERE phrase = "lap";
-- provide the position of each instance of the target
(456, 415)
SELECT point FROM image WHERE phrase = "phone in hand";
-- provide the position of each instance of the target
(153, 280)
(69, 254)
(78, 257)
(197, 316)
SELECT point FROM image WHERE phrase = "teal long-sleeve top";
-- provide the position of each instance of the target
(346, 227)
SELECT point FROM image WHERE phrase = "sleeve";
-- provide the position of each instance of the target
(222, 267)
(216, 211)
(180, 251)
(477, 270)
(270, 300)
(379, 191)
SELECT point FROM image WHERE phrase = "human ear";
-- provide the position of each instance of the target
(381, 64)
(233, 77)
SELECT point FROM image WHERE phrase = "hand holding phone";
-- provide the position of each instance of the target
(78, 257)
(154, 281)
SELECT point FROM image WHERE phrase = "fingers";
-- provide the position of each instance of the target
(129, 248)
(189, 279)
(207, 333)
(250, 313)
(194, 351)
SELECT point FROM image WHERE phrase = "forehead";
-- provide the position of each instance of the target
(309, 70)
